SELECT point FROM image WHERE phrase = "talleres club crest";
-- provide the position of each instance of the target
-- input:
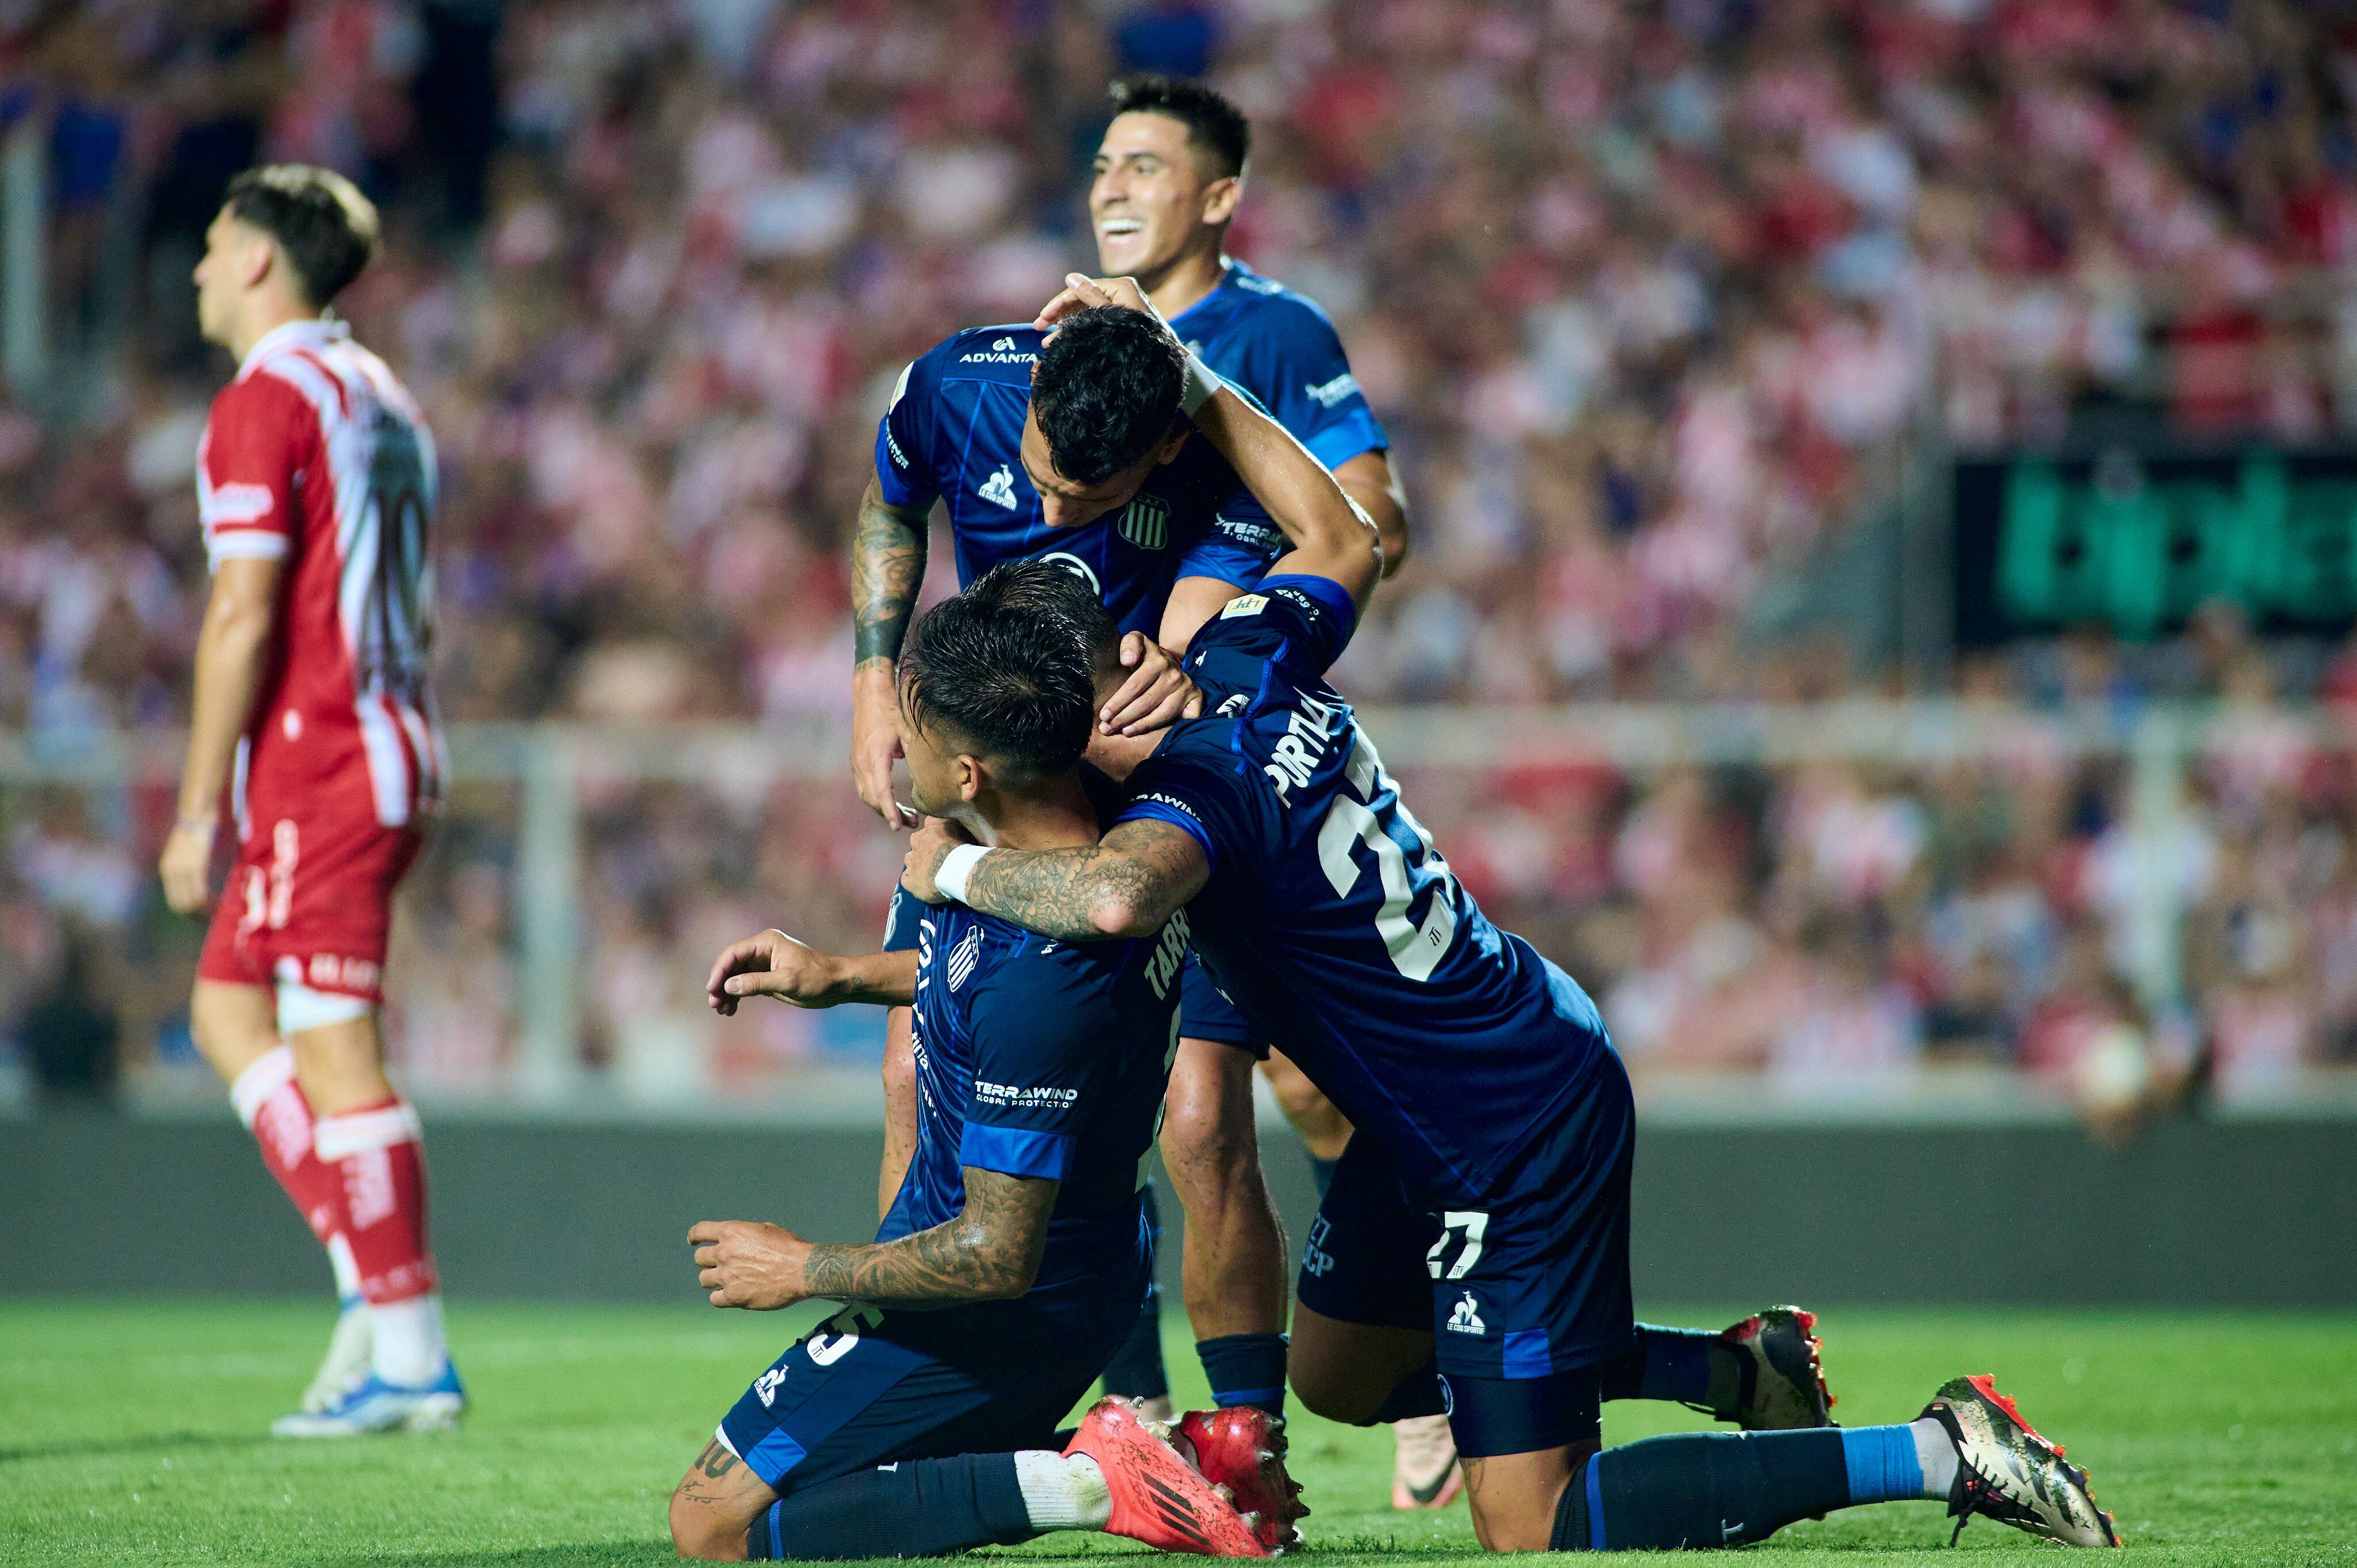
(1146, 522)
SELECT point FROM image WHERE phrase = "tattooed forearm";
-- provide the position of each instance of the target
(1127, 885)
(887, 567)
(989, 1253)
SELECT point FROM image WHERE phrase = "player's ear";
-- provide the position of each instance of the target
(261, 256)
(1172, 440)
(973, 777)
(1219, 199)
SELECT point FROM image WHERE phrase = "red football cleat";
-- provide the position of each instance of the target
(1241, 1447)
(1157, 1497)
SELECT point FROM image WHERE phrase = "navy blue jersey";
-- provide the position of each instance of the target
(1039, 1058)
(955, 431)
(1337, 927)
(1279, 346)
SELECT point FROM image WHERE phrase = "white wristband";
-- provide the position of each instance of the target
(1202, 384)
(957, 867)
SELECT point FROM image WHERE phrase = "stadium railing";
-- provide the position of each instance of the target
(541, 773)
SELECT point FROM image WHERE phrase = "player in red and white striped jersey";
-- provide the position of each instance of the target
(313, 727)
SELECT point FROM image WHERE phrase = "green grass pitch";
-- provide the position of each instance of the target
(137, 1434)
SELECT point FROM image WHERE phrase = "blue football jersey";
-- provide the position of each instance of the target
(955, 431)
(1335, 924)
(1039, 1059)
(1279, 346)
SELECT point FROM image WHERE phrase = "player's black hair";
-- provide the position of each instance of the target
(1212, 123)
(328, 228)
(1106, 390)
(1007, 665)
(1056, 590)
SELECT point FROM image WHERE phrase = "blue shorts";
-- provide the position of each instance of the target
(1528, 1282)
(1204, 1010)
(873, 1386)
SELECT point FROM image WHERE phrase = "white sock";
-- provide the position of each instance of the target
(1936, 1452)
(348, 1272)
(409, 1349)
(1062, 1492)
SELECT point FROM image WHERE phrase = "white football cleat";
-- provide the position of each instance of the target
(349, 1349)
(2006, 1471)
(374, 1405)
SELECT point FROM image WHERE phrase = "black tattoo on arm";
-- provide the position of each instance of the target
(887, 567)
(1129, 883)
(990, 1251)
(716, 1461)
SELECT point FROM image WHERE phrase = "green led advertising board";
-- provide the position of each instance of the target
(2135, 543)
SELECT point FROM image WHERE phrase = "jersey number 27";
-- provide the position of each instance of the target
(1414, 948)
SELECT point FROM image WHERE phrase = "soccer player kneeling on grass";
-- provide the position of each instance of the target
(922, 1417)
(1472, 1255)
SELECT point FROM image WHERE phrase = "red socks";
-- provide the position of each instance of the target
(271, 1104)
(379, 1165)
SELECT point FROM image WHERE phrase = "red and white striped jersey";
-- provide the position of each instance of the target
(315, 454)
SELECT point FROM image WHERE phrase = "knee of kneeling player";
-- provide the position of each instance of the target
(1514, 1530)
(699, 1530)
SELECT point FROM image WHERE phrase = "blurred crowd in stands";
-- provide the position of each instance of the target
(1653, 297)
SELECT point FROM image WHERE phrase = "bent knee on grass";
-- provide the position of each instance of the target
(1514, 1497)
(714, 1504)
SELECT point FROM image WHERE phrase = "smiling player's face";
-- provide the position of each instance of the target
(1151, 203)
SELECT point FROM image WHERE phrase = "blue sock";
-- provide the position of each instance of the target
(1322, 1172)
(1701, 1490)
(918, 1507)
(1671, 1364)
(1883, 1466)
(1246, 1369)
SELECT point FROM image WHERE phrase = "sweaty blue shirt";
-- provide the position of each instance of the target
(1039, 1058)
(1279, 346)
(955, 431)
(1338, 928)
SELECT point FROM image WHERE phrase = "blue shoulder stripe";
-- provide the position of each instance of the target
(1017, 1151)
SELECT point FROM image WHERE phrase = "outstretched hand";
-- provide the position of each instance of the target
(771, 964)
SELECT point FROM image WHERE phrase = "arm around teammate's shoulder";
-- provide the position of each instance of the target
(1129, 883)
(1329, 534)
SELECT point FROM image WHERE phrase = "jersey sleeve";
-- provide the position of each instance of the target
(901, 918)
(1198, 793)
(255, 443)
(1238, 542)
(1308, 388)
(904, 437)
(1297, 625)
(1039, 1031)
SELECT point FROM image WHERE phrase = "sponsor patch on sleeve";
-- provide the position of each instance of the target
(1245, 605)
